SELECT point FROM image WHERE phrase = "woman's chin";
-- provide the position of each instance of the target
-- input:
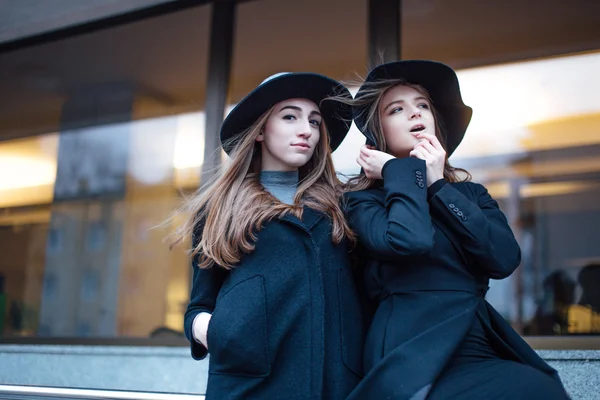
(298, 160)
(403, 153)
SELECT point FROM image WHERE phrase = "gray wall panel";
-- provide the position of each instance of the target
(23, 18)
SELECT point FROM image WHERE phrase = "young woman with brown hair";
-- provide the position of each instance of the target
(273, 299)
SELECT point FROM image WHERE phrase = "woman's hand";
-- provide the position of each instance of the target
(431, 151)
(372, 161)
(200, 328)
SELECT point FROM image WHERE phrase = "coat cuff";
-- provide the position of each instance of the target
(435, 187)
(404, 171)
(199, 352)
(387, 163)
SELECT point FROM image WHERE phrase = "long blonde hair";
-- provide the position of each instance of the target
(224, 215)
(367, 108)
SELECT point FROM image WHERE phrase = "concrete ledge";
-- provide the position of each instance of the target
(579, 371)
(171, 369)
(149, 369)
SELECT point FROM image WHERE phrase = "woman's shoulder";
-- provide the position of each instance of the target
(365, 194)
(355, 201)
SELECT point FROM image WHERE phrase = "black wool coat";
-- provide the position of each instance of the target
(286, 321)
(429, 255)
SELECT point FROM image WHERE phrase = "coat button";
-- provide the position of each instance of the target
(452, 206)
(418, 172)
(460, 213)
(421, 185)
(464, 217)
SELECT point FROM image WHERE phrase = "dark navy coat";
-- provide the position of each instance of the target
(286, 322)
(429, 256)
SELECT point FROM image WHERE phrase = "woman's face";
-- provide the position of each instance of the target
(290, 135)
(404, 112)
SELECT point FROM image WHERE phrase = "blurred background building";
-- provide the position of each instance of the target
(109, 110)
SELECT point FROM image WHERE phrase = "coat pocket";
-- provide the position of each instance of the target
(237, 333)
(351, 322)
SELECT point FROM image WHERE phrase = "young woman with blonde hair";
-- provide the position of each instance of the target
(273, 299)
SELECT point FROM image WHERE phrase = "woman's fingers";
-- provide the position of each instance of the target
(372, 161)
(367, 168)
(366, 152)
(361, 162)
(418, 152)
(425, 144)
(433, 140)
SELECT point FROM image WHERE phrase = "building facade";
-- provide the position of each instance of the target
(109, 111)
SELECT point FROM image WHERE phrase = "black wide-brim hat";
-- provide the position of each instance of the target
(291, 85)
(442, 84)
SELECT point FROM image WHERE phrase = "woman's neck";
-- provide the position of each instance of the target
(281, 184)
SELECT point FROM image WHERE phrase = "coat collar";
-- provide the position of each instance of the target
(310, 218)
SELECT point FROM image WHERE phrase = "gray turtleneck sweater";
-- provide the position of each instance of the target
(282, 185)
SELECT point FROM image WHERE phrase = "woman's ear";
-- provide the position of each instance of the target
(261, 136)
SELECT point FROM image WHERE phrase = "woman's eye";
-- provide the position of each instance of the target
(315, 122)
(424, 106)
(289, 117)
(396, 110)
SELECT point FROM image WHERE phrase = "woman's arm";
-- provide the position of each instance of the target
(402, 224)
(206, 283)
(482, 227)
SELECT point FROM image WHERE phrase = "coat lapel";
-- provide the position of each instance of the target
(310, 218)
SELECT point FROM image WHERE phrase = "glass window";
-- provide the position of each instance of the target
(99, 133)
(534, 142)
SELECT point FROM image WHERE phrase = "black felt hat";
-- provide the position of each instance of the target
(291, 85)
(442, 84)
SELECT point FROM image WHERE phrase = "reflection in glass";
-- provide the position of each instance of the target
(77, 208)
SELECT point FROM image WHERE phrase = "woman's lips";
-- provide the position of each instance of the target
(302, 145)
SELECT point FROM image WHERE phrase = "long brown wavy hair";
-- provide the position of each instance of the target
(225, 214)
(368, 108)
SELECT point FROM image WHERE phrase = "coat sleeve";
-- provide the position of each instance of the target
(206, 283)
(481, 226)
(401, 224)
